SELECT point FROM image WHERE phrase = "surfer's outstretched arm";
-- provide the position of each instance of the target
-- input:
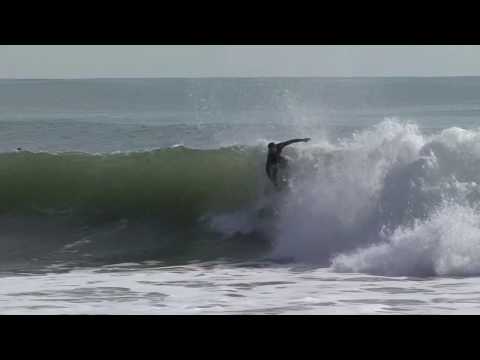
(281, 145)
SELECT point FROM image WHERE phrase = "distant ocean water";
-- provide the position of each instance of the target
(150, 196)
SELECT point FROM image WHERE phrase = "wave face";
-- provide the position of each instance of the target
(114, 206)
(388, 200)
(178, 183)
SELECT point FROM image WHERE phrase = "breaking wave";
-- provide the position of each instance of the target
(390, 199)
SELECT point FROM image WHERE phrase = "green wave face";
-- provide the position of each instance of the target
(178, 183)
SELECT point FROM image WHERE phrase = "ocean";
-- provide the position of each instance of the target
(149, 196)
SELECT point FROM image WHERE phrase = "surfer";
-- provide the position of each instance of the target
(275, 160)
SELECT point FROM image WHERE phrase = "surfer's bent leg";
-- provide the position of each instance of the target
(274, 174)
(272, 170)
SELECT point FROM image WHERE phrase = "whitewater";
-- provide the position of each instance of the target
(163, 206)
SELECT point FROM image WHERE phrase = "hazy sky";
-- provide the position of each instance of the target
(91, 61)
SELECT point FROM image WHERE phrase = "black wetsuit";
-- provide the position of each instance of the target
(276, 161)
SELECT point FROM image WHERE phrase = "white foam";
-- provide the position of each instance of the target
(389, 200)
(448, 243)
(344, 190)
